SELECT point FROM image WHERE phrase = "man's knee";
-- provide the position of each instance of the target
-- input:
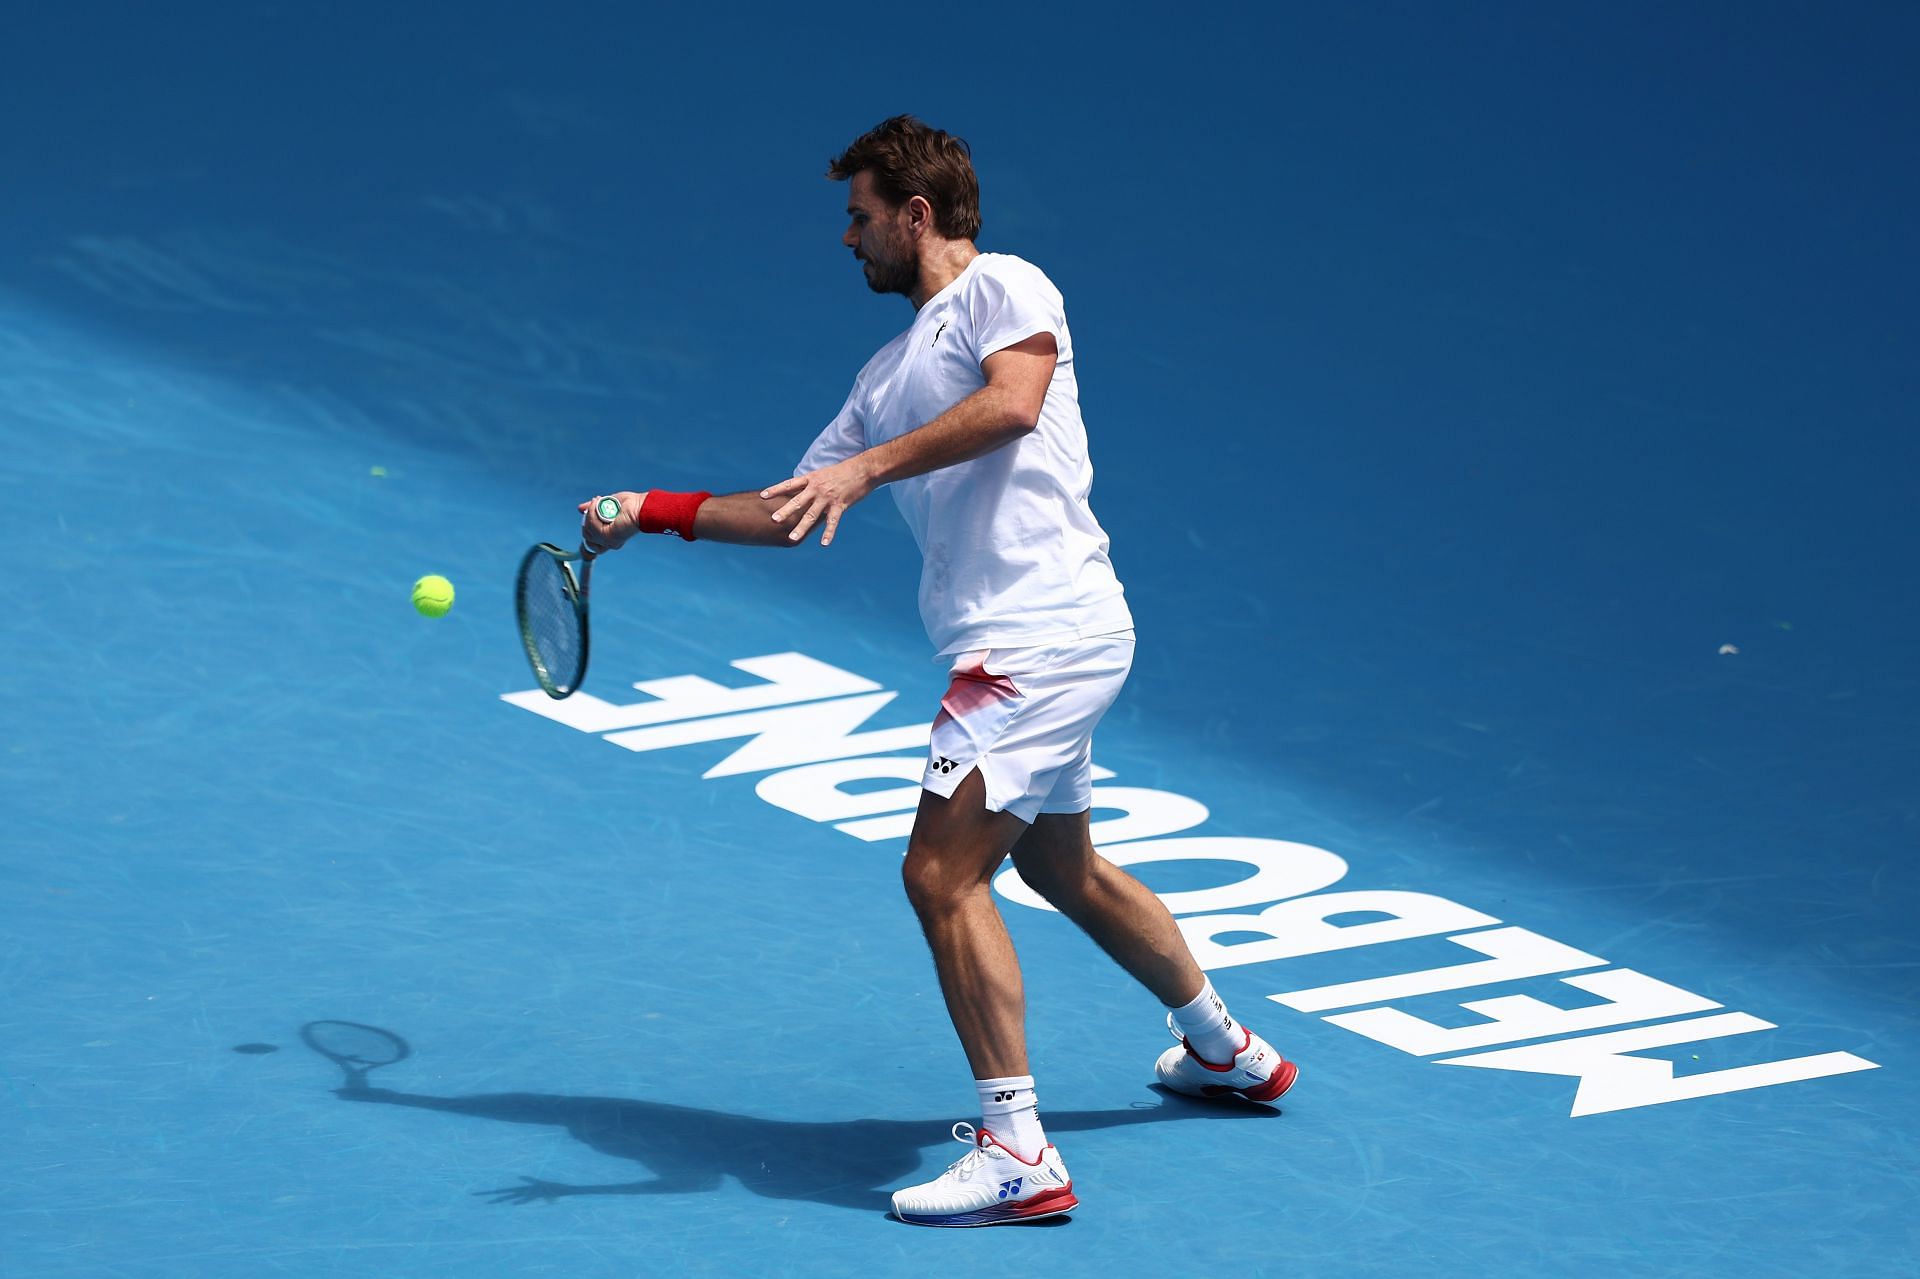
(938, 876)
(956, 846)
(928, 884)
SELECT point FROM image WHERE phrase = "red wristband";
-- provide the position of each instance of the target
(662, 512)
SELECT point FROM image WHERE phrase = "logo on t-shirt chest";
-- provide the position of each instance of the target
(940, 372)
(932, 371)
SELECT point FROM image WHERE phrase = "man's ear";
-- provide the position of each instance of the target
(919, 214)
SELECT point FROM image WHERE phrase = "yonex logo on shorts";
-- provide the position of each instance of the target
(943, 765)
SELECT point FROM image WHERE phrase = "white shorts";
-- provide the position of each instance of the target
(1024, 717)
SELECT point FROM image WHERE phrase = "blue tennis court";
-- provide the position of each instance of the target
(1504, 422)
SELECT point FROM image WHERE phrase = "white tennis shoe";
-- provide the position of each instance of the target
(988, 1186)
(1257, 1072)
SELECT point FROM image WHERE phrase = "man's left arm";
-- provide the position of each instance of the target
(1000, 412)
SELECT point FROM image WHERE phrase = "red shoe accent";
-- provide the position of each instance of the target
(980, 1140)
(1047, 1203)
(1277, 1083)
(1282, 1079)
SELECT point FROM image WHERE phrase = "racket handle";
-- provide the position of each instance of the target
(608, 509)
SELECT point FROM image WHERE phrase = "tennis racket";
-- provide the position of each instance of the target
(550, 604)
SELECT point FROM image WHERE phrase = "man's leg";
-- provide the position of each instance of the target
(956, 847)
(1216, 1056)
(1011, 1173)
(1057, 859)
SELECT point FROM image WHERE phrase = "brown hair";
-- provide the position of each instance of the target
(908, 158)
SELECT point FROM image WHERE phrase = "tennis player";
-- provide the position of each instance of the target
(972, 417)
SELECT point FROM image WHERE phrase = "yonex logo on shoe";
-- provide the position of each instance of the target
(1010, 1187)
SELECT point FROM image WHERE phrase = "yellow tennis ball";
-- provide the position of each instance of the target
(433, 595)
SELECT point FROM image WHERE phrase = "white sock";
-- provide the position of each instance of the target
(1009, 1110)
(1210, 1031)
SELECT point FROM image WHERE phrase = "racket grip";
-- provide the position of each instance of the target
(608, 509)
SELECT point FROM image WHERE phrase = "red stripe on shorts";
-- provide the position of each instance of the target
(973, 688)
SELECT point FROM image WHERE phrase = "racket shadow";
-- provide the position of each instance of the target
(689, 1150)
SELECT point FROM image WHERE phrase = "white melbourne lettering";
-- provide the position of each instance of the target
(1516, 953)
(813, 790)
(803, 722)
(1289, 929)
(1629, 996)
(784, 735)
(786, 678)
(1144, 813)
(1611, 1080)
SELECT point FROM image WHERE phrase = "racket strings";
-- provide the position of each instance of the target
(551, 623)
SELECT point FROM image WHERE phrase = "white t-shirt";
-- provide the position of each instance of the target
(1012, 554)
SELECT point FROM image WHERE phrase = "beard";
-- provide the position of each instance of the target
(889, 274)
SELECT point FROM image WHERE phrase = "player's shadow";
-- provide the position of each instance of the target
(849, 1163)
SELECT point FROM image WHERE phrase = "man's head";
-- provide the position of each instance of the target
(908, 186)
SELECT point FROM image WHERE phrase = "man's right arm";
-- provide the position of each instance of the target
(744, 519)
